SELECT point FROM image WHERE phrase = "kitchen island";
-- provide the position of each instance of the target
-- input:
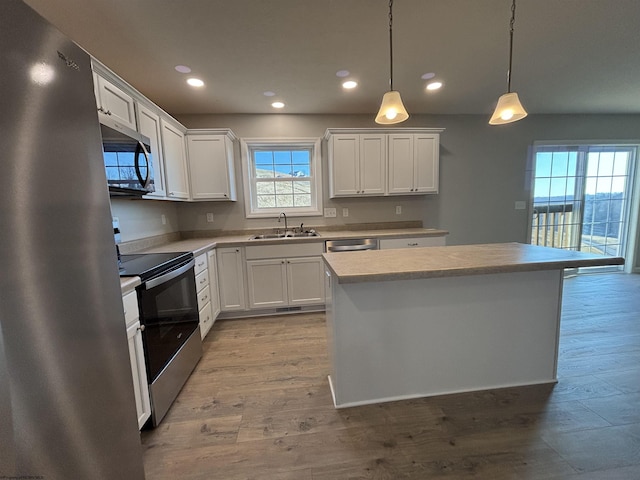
(437, 320)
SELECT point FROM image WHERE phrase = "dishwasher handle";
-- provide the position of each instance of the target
(350, 248)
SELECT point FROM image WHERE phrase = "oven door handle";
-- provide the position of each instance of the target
(154, 282)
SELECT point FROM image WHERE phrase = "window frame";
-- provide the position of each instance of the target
(248, 145)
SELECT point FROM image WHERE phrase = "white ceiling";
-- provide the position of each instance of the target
(570, 56)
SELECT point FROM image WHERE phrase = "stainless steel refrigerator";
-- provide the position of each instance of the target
(67, 408)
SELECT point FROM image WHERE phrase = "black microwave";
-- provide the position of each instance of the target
(127, 160)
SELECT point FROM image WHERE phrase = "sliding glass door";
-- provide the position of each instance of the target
(581, 197)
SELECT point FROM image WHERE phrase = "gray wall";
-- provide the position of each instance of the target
(483, 172)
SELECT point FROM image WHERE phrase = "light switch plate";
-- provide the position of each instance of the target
(398, 209)
(521, 205)
(330, 212)
(345, 212)
(209, 217)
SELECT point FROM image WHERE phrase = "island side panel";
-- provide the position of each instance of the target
(413, 338)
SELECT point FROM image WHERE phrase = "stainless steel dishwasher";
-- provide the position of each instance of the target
(351, 245)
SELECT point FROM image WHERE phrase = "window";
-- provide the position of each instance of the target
(582, 197)
(282, 175)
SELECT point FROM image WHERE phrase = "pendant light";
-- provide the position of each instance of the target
(391, 110)
(509, 108)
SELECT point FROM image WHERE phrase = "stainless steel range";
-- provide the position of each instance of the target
(168, 304)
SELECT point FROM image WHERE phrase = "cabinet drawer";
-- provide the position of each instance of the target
(130, 302)
(204, 297)
(206, 320)
(411, 242)
(201, 263)
(202, 280)
(285, 250)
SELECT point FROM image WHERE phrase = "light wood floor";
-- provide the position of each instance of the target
(258, 406)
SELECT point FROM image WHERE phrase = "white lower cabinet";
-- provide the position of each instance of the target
(274, 280)
(203, 288)
(412, 242)
(136, 357)
(231, 279)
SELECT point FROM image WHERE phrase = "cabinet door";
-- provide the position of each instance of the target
(149, 125)
(267, 282)
(426, 163)
(115, 103)
(373, 164)
(231, 279)
(213, 284)
(140, 386)
(175, 161)
(401, 169)
(344, 165)
(211, 167)
(305, 280)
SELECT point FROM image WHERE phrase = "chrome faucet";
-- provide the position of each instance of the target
(286, 228)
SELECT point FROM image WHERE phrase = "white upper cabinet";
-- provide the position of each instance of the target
(114, 102)
(357, 164)
(175, 160)
(211, 164)
(402, 161)
(149, 125)
(413, 164)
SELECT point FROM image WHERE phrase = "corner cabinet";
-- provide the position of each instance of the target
(175, 160)
(211, 165)
(377, 162)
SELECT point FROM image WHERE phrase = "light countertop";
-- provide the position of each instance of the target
(129, 284)
(433, 262)
(201, 245)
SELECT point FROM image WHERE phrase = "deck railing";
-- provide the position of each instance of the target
(554, 226)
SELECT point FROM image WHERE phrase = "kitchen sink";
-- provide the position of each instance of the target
(271, 236)
(267, 236)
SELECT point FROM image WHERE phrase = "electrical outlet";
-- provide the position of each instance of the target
(163, 218)
(330, 212)
(209, 217)
(345, 212)
(521, 205)
(398, 210)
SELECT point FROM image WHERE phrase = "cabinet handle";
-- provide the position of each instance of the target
(141, 328)
(205, 298)
(412, 244)
(101, 110)
(237, 250)
(282, 262)
(171, 194)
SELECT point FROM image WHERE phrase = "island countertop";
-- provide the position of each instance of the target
(459, 260)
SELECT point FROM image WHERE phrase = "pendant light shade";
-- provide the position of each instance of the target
(509, 109)
(392, 109)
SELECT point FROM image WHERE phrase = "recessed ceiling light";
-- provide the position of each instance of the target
(428, 76)
(342, 73)
(269, 93)
(434, 85)
(277, 105)
(195, 82)
(182, 69)
(349, 84)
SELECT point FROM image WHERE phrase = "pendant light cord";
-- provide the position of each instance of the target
(391, 45)
(511, 24)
